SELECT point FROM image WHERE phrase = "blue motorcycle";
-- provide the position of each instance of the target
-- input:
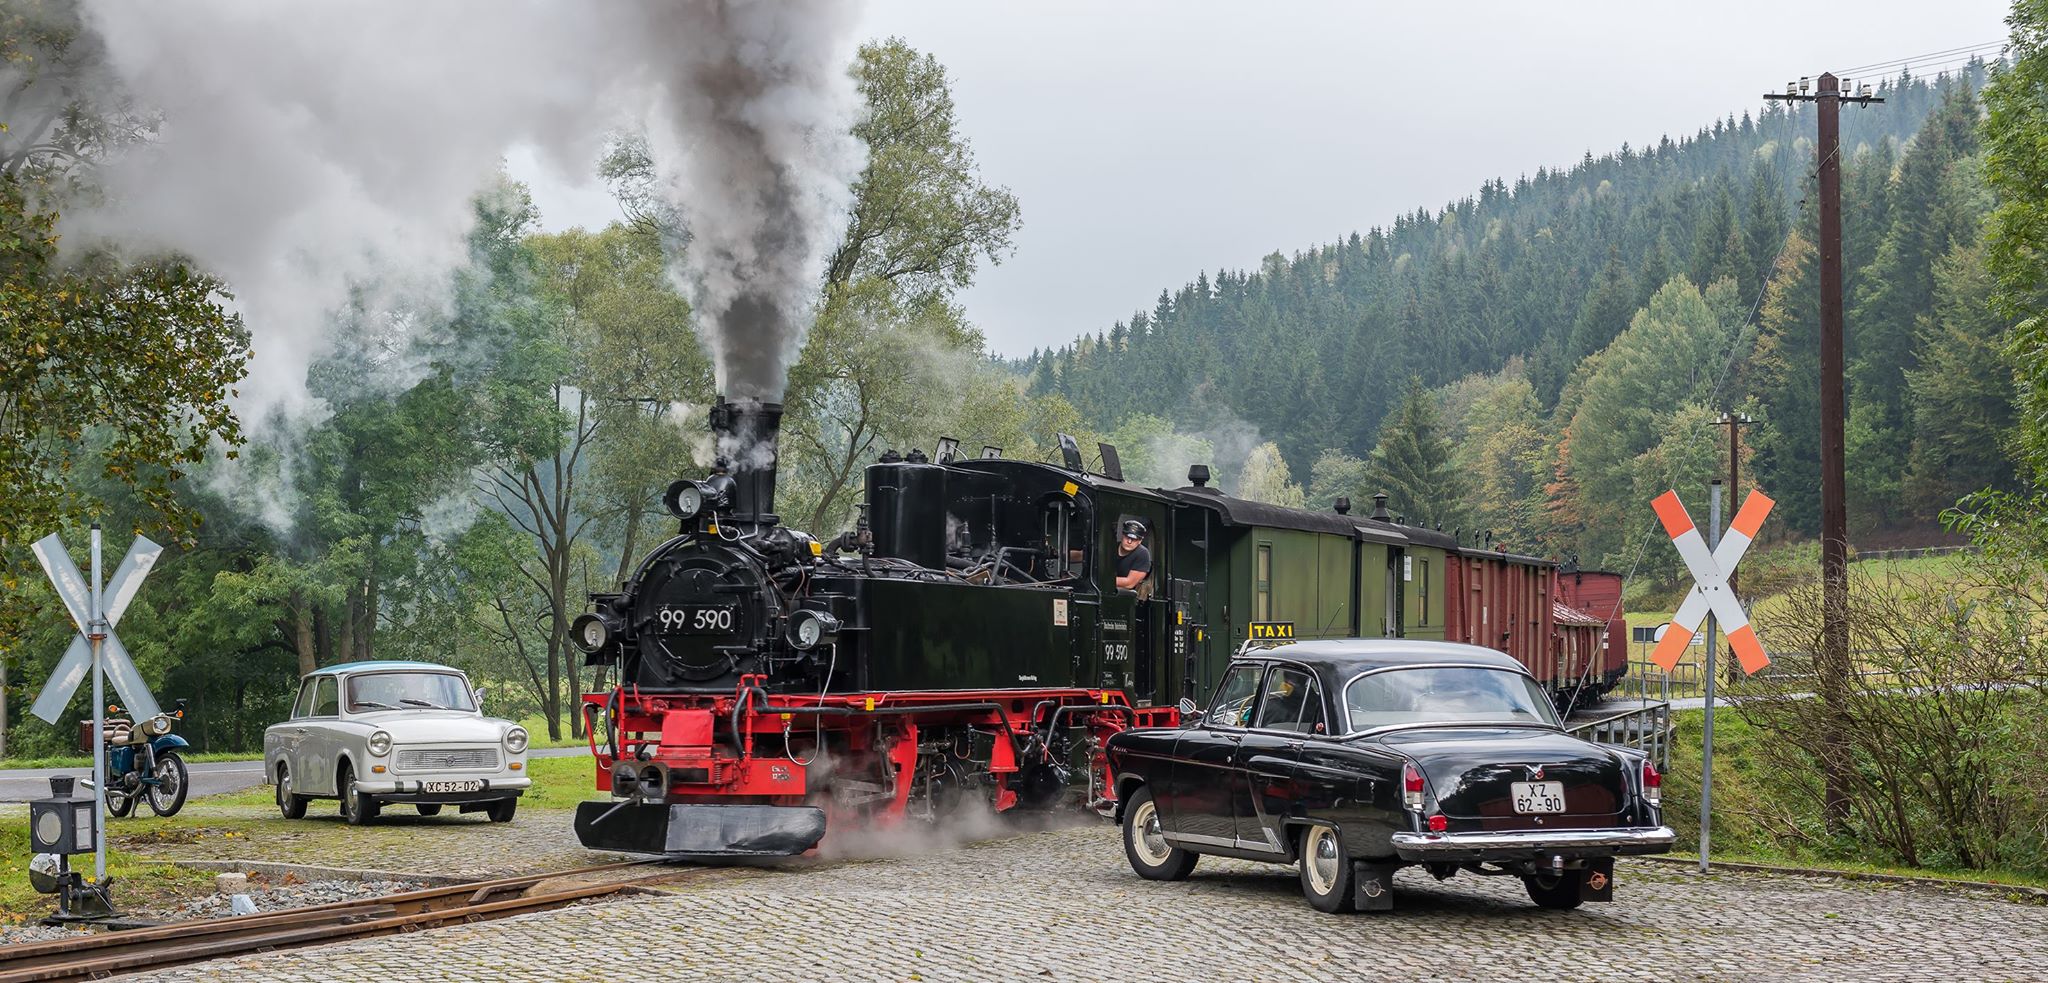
(144, 762)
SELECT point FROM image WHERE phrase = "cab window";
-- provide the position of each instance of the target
(304, 707)
(1232, 706)
(1065, 548)
(1292, 702)
(325, 701)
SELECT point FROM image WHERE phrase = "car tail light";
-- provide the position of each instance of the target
(1438, 823)
(1653, 784)
(1411, 787)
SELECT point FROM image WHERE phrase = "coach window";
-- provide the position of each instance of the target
(1262, 584)
(1422, 589)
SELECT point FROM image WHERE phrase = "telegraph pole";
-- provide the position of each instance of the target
(1734, 422)
(1834, 515)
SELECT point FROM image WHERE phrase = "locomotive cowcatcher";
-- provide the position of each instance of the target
(965, 647)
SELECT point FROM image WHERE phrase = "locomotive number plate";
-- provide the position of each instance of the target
(698, 619)
(1538, 796)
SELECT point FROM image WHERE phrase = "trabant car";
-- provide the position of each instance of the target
(1353, 758)
(377, 733)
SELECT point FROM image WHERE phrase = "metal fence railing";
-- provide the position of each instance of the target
(1646, 728)
(1901, 554)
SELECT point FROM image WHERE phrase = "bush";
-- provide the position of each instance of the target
(1936, 736)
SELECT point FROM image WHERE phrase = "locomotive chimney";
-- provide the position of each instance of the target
(746, 432)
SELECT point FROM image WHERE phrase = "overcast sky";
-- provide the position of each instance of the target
(1148, 141)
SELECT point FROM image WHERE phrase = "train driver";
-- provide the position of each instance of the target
(1133, 560)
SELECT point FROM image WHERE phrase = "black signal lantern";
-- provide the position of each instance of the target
(63, 823)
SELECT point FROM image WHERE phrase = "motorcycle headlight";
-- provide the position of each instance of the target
(810, 629)
(157, 726)
(380, 743)
(515, 740)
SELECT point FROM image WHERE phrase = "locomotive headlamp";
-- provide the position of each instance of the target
(810, 629)
(684, 499)
(379, 743)
(590, 632)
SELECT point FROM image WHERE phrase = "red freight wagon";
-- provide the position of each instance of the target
(1598, 593)
(1503, 601)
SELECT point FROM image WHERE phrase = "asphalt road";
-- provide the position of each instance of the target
(208, 777)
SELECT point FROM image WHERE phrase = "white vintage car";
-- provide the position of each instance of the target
(372, 733)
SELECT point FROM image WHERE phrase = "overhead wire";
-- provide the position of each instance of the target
(1895, 64)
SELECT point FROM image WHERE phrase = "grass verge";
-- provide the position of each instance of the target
(558, 784)
(1744, 790)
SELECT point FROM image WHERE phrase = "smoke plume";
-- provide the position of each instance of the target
(762, 104)
(319, 155)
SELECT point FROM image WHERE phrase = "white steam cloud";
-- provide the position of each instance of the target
(321, 154)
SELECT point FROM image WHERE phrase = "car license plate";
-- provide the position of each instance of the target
(1539, 796)
(469, 786)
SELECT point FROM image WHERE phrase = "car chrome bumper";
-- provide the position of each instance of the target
(1529, 844)
(412, 790)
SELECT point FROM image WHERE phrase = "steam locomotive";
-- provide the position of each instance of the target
(966, 645)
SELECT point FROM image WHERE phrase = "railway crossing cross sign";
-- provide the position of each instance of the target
(77, 595)
(1710, 580)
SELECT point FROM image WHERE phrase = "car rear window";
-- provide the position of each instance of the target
(1445, 694)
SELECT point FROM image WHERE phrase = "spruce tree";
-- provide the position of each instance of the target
(1412, 463)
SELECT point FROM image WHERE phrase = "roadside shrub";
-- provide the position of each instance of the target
(1937, 731)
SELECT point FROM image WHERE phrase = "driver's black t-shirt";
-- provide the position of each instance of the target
(1139, 559)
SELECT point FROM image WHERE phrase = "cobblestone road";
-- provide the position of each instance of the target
(1062, 905)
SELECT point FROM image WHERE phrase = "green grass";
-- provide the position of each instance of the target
(537, 731)
(1743, 789)
(134, 879)
(558, 783)
(1719, 855)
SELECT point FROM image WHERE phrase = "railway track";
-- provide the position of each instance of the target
(178, 943)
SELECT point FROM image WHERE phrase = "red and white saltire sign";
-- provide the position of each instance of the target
(1710, 581)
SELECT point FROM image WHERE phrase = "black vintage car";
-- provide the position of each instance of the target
(1353, 758)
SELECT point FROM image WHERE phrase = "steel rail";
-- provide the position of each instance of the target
(178, 943)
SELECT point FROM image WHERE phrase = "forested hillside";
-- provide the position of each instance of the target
(1580, 330)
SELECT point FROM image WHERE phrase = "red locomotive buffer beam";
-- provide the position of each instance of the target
(750, 774)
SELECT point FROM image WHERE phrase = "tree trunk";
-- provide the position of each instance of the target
(626, 549)
(3, 707)
(366, 632)
(345, 646)
(323, 638)
(302, 620)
